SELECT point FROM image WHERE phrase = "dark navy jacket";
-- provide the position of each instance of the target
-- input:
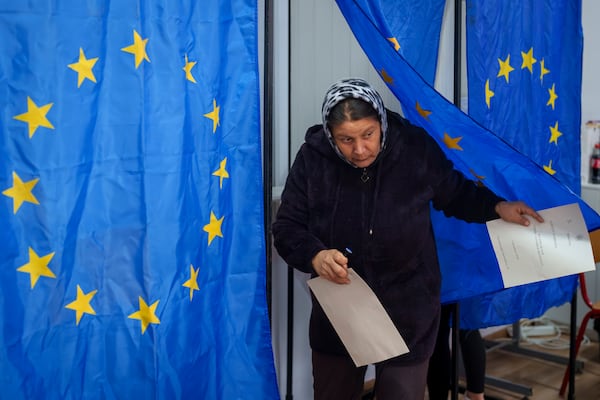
(384, 220)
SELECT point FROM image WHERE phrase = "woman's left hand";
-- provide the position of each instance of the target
(515, 211)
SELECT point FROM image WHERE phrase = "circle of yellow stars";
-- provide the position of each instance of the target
(504, 70)
(528, 61)
(21, 191)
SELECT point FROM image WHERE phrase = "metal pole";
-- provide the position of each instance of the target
(290, 276)
(268, 145)
(457, 87)
(457, 51)
(455, 350)
(572, 339)
(290, 336)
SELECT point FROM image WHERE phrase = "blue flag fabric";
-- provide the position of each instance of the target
(412, 28)
(524, 78)
(468, 264)
(132, 255)
(524, 81)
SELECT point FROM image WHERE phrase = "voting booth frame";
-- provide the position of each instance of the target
(573, 366)
(593, 313)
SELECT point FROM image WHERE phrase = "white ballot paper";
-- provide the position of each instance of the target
(359, 319)
(557, 247)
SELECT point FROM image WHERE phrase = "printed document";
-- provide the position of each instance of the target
(557, 247)
(359, 319)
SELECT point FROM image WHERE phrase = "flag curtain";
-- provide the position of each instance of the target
(468, 264)
(524, 63)
(524, 82)
(412, 28)
(132, 254)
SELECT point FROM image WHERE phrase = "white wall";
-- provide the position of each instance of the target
(590, 94)
(324, 50)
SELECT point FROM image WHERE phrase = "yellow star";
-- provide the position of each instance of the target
(37, 266)
(553, 96)
(548, 168)
(422, 112)
(147, 315)
(386, 77)
(213, 228)
(214, 115)
(21, 192)
(188, 69)
(505, 68)
(480, 178)
(543, 70)
(35, 116)
(528, 60)
(488, 93)
(138, 49)
(83, 67)
(554, 133)
(81, 304)
(222, 172)
(192, 283)
(452, 143)
(394, 41)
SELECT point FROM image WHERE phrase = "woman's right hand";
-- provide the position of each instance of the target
(332, 265)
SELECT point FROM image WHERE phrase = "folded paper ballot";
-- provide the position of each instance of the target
(359, 319)
(557, 247)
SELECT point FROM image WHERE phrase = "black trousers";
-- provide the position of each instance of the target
(337, 378)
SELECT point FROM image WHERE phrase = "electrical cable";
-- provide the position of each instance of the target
(554, 341)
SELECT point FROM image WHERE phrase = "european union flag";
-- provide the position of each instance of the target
(132, 255)
(524, 80)
(524, 77)
(465, 249)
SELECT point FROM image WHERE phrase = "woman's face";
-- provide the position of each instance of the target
(359, 140)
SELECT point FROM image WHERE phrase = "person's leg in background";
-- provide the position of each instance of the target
(336, 377)
(474, 356)
(473, 353)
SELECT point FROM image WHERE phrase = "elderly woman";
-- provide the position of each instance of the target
(365, 180)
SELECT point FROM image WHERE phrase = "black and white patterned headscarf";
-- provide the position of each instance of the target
(355, 88)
